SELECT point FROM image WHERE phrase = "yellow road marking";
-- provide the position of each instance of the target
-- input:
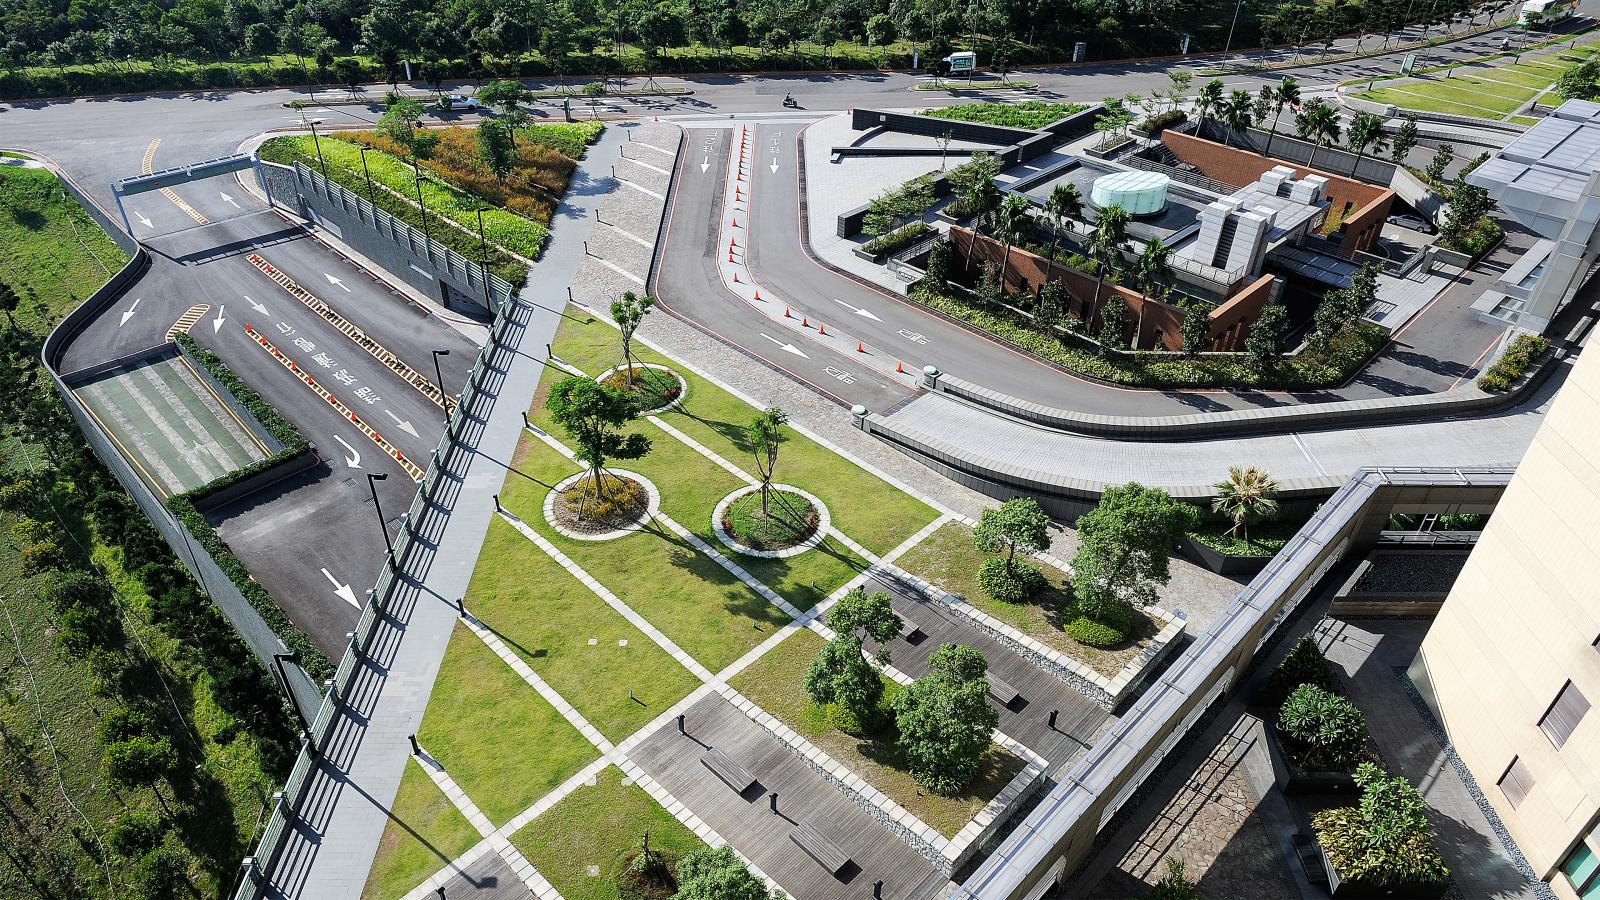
(149, 166)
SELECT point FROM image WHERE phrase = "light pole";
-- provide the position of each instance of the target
(318, 143)
(1236, 5)
(440, 380)
(371, 197)
(372, 482)
(483, 265)
(416, 169)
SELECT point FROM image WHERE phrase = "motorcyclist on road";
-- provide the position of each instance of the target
(788, 98)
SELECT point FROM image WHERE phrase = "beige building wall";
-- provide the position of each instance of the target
(1523, 619)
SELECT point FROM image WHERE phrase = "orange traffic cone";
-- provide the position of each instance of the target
(786, 314)
(736, 221)
(730, 256)
(804, 323)
(736, 278)
(758, 296)
(899, 367)
(733, 242)
(859, 348)
(821, 328)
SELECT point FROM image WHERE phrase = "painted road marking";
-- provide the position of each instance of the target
(216, 324)
(188, 320)
(352, 455)
(787, 348)
(229, 199)
(257, 307)
(913, 336)
(840, 374)
(149, 162)
(128, 314)
(857, 310)
(405, 424)
(341, 590)
(143, 219)
(333, 280)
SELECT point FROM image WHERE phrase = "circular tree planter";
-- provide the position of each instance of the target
(610, 531)
(818, 532)
(616, 377)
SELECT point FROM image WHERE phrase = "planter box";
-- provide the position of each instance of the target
(1340, 889)
(1110, 151)
(868, 256)
(1219, 562)
(1304, 782)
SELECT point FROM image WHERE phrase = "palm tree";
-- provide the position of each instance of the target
(1245, 496)
(1366, 130)
(1319, 124)
(1011, 224)
(1238, 112)
(1153, 268)
(983, 196)
(1064, 203)
(1106, 244)
(1287, 93)
(1209, 98)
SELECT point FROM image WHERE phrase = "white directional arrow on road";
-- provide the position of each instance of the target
(216, 324)
(705, 164)
(342, 591)
(352, 455)
(128, 314)
(787, 348)
(405, 425)
(774, 165)
(143, 220)
(333, 280)
(229, 199)
(257, 307)
(857, 310)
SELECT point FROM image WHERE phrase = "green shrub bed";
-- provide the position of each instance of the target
(789, 520)
(1323, 732)
(903, 236)
(592, 508)
(1307, 371)
(570, 139)
(1383, 842)
(1477, 240)
(1032, 115)
(1266, 538)
(1519, 355)
(652, 388)
(317, 665)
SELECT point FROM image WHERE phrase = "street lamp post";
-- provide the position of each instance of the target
(483, 251)
(1236, 5)
(423, 207)
(371, 196)
(318, 143)
(372, 482)
(439, 378)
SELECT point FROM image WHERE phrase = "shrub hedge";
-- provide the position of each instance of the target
(1032, 115)
(1519, 355)
(1384, 842)
(1326, 731)
(903, 236)
(317, 665)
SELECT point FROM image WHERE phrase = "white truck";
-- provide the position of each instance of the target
(1545, 12)
(963, 61)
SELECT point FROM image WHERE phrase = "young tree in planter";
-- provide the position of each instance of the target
(944, 720)
(1124, 547)
(1019, 524)
(1246, 496)
(717, 875)
(1195, 328)
(1405, 140)
(496, 149)
(766, 434)
(1263, 346)
(1064, 204)
(1011, 224)
(1106, 244)
(629, 312)
(593, 415)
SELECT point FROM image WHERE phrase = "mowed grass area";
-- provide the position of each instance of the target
(871, 511)
(425, 832)
(51, 252)
(949, 559)
(501, 742)
(600, 825)
(712, 615)
(776, 683)
(583, 648)
(1484, 92)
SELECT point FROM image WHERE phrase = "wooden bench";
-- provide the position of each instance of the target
(1002, 692)
(825, 852)
(731, 773)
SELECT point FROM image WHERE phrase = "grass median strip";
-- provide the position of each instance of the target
(776, 683)
(713, 616)
(605, 667)
(501, 742)
(425, 831)
(603, 826)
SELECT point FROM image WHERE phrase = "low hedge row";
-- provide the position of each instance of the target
(903, 236)
(316, 664)
(1519, 355)
(1306, 371)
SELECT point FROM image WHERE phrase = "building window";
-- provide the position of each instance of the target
(1563, 716)
(1580, 868)
(1516, 782)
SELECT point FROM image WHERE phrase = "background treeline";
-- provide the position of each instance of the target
(58, 47)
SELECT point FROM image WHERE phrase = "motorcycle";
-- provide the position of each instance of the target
(790, 102)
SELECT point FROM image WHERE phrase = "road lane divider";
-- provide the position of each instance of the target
(382, 354)
(149, 164)
(336, 404)
(188, 320)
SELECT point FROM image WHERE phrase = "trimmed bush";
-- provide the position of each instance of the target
(1164, 119)
(1385, 840)
(1303, 664)
(1325, 731)
(1087, 631)
(1016, 583)
(1519, 355)
(903, 236)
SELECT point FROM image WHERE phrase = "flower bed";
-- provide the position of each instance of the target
(788, 520)
(655, 388)
(599, 506)
(1032, 115)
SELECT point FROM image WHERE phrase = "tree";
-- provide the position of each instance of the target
(1019, 524)
(1319, 123)
(593, 416)
(1405, 139)
(9, 301)
(1174, 885)
(628, 312)
(717, 875)
(495, 149)
(1580, 82)
(1124, 547)
(860, 613)
(944, 719)
(1208, 99)
(139, 761)
(1366, 130)
(766, 434)
(1442, 158)
(1468, 204)
(1106, 244)
(399, 124)
(1011, 224)
(1264, 345)
(980, 199)
(1064, 204)
(507, 97)
(1196, 328)
(840, 676)
(1153, 271)
(939, 265)
(1238, 113)
(1245, 496)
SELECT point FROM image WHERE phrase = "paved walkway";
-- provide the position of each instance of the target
(330, 849)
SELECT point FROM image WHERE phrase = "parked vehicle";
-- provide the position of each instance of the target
(1545, 12)
(1415, 223)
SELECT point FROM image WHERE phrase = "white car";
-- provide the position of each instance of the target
(1412, 222)
(458, 101)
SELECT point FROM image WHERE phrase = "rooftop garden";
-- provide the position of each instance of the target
(1030, 114)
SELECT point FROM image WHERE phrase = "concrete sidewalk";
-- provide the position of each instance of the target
(332, 841)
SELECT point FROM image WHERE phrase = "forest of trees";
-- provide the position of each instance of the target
(78, 45)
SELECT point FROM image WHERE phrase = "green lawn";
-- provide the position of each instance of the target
(49, 247)
(1407, 100)
(425, 832)
(603, 825)
(776, 682)
(570, 637)
(713, 616)
(948, 558)
(501, 742)
(871, 511)
(1479, 92)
